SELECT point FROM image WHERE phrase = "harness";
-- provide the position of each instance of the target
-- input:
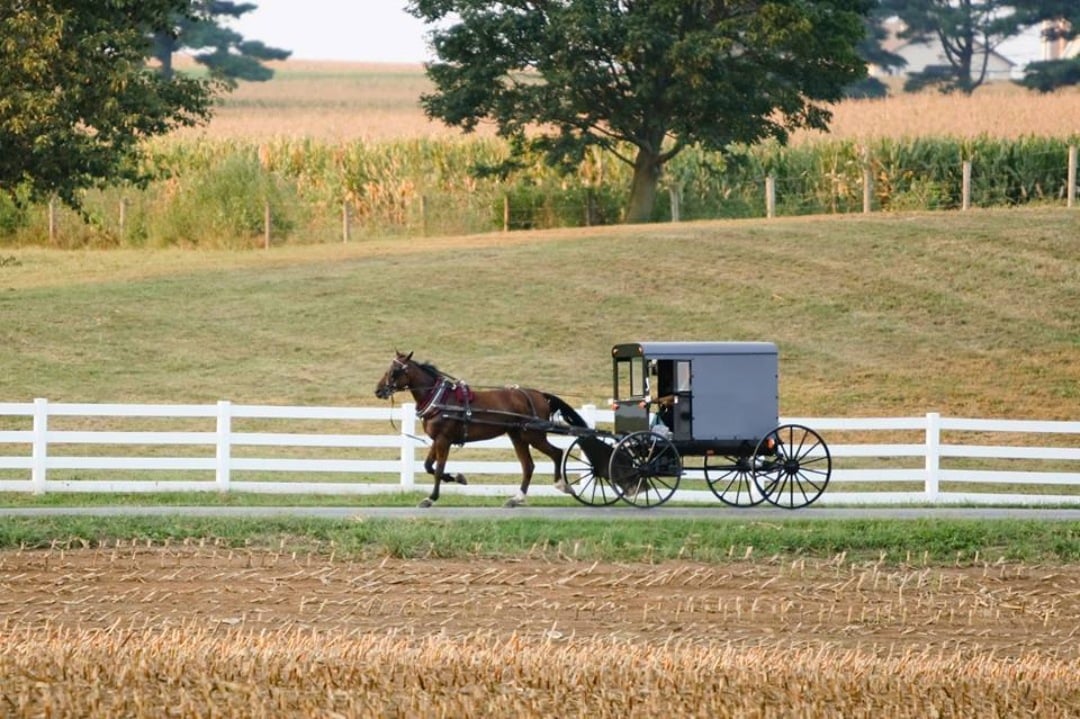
(438, 402)
(435, 402)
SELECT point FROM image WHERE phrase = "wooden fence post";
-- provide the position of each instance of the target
(506, 213)
(770, 196)
(223, 445)
(52, 220)
(40, 450)
(266, 225)
(965, 191)
(345, 221)
(675, 208)
(933, 456)
(1072, 177)
(867, 182)
(123, 216)
(408, 455)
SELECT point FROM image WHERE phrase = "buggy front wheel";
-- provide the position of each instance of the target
(584, 470)
(791, 466)
(645, 469)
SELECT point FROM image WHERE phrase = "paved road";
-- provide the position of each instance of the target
(758, 514)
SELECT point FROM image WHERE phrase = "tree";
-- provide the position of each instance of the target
(967, 30)
(871, 49)
(224, 52)
(76, 97)
(643, 78)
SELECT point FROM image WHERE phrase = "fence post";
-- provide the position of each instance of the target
(223, 456)
(40, 450)
(770, 196)
(933, 455)
(965, 202)
(345, 221)
(408, 456)
(123, 216)
(1072, 177)
(675, 209)
(867, 190)
(588, 413)
(506, 213)
(52, 220)
(266, 225)
(423, 215)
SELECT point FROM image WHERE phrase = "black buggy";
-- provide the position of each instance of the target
(716, 402)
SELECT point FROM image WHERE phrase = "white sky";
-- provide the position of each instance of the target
(381, 31)
(354, 30)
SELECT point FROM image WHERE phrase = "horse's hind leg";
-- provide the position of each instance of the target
(521, 449)
(540, 441)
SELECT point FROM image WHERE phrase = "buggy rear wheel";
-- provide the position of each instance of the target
(731, 479)
(791, 466)
(584, 469)
(645, 469)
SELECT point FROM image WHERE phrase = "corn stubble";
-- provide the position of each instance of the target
(195, 671)
(205, 631)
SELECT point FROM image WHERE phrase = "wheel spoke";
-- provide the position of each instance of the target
(732, 481)
(792, 466)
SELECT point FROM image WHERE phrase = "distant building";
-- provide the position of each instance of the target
(1059, 48)
(929, 56)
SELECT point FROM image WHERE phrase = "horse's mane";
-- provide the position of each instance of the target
(429, 368)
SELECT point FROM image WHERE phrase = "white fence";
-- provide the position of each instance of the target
(60, 447)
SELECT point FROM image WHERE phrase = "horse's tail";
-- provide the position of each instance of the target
(557, 404)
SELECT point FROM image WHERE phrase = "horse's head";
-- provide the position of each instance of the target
(398, 376)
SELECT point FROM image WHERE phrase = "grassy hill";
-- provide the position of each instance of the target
(975, 314)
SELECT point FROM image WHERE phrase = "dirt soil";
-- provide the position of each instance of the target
(1013, 610)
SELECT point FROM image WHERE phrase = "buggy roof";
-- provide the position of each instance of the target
(687, 350)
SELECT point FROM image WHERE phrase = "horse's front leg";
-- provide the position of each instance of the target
(435, 465)
(521, 449)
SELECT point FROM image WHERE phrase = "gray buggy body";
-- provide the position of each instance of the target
(712, 396)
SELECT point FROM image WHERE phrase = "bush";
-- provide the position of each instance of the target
(224, 206)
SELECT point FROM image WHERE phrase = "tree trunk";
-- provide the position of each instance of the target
(647, 167)
(162, 51)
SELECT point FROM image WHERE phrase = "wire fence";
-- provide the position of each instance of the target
(786, 185)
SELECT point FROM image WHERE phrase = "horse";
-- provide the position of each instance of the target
(453, 413)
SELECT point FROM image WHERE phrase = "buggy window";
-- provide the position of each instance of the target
(630, 378)
(682, 376)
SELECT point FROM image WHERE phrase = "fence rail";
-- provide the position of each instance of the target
(66, 447)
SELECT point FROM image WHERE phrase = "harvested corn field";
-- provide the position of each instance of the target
(200, 630)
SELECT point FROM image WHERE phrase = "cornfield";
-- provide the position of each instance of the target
(199, 630)
(326, 152)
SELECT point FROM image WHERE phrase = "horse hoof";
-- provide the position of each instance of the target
(460, 479)
(514, 502)
(425, 503)
(562, 486)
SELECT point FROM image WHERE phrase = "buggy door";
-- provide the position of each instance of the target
(674, 406)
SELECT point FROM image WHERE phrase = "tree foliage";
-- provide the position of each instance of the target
(224, 52)
(76, 97)
(643, 78)
(968, 31)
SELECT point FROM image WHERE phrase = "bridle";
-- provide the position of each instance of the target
(398, 367)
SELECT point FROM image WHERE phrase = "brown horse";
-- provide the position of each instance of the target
(452, 413)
